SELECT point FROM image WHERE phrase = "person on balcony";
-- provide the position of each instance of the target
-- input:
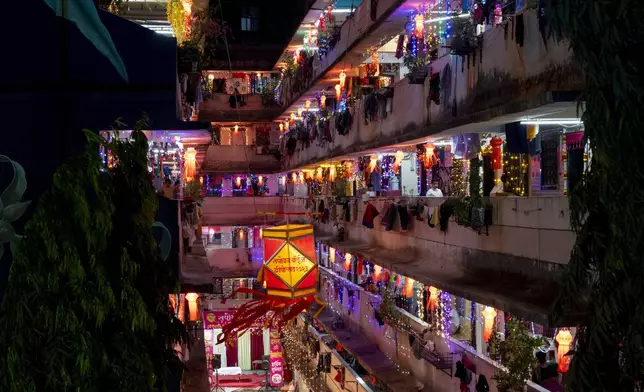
(434, 191)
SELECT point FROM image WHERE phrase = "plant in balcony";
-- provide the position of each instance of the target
(193, 191)
(516, 355)
(463, 38)
(417, 66)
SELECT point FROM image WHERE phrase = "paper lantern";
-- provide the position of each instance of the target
(373, 162)
(236, 129)
(190, 157)
(193, 310)
(338, 92)
(301, 177)
(281, 127)
(419, 25)
(241, 234)
(323, 101)
(307, 104)
(343, 79)
(428, 158)
(260, 180)
(261, 234)
(238, 181)
(283, 180)
(348, 169)
(377, 273)
(564, 338)
(433, 298)
(292, 116)
(398, 157)
(299, 112)
(489, 313)
(332, 173)
(347, 262)
(182, 307)
(201, 180)
(374, 62)
(497, 159)
(320, 174)
(409, 288)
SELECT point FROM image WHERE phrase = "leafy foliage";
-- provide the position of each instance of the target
(11, 208)
(87, 304)
(516, 353)
(193, 190)
(604, 281)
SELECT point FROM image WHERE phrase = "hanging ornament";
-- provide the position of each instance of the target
(338, 92)
(293, 116)
(301, 177)
(433, 298)
(428, 157)
(398, 157)
(260, 180)
(323, 101)
(497, 159)
(294, 178)
(343, 79)
(201, 180)
(489, 314)
(348, 169)
(299, 112)
(307, 104)
(236, 129)
(241, 235)
(374, 63)
(409, 288)
(347, 261)
(373, 162)
(193, 310)
(332, 173)
(377, 273)
(190, 157)
(281, 127)
(319, 174)
(238, 181)
(419, 25)
(564, 338)
(332, 255)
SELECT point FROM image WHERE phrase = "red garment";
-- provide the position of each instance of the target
(370, 213)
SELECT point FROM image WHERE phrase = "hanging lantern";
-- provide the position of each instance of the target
(338, 92)
(182, 307)
(373, 162)
(323, 101)
(294, 178)
(433, 298)
(264, 284)
(489, 313)
(301, 177)
(398, 157)
(428, 158)
(261, 233)
(374, 62)
(332, 255)
(377, 273)
(236, 129)
(241, 234)
(419, 26)
(190, 157)
(281, 127)
(347, 262)
(307, 104)
(409, 288)
(332, 173)
(497, 159)
(343, 79)
(290, 271)
(299, 112)
(564, 338)
(348, 169)
(292, 116)
(283, 180)
(260, 180)
(531, 131)
(193, 310)
(201, 180)
(238, 181)
(320, 174)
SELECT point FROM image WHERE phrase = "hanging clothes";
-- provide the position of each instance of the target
(520, 30)
(433, 216)
(376, 180)
(404, 217)
(347, 211)
(389, 219)
(369, 214)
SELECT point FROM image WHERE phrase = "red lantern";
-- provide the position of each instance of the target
(564, 338)
(497, 160)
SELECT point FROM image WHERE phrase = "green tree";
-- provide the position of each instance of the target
(87, 306)
(604, 281)
(516, 354)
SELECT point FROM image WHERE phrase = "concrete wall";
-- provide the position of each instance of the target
(237, 210)
(499, 80)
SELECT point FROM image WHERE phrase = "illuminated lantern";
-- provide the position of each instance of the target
(236, 129)
(332, 173)
(373, 161)
(283, 180)
(332, 255)
(374, 62)
(398, 157)
(347, 261)
(348, 169)
(428, 158)
(238, 181)
(343, 79)
(307, 104)
(323, 101)
(497, 160)
(182, 307)
(338, 92)
(201, 180)
(564, 338)
(419, 25)
(489, 313)
(294, 178)
(377, 273)
(299, 112)
(433, 298)
(531, 131)
(301, 177)
(281, 127)
(320, 175)
(190, 157)
(292, 116)
(409, 287)
(264, 284)
(193, 310)
(260, 180)
(173, 302)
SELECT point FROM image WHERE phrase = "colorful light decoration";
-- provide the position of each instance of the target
(399, 155)
(373, 162)
(323, 101)
(332, 173)
(290, 271)
(236, 129)
(320, 174)
(497, 159)
(201, 180)
(294, 178)
(193, 310)
(238, 181)
(332, 255)
(260, 180)
(338, 92)
(377, 273)
(281, 127)
(433, 297)
(564, 338)
(301, 177)
(419, 25)
(190, 157)
(428, 158)
(343, 79)
(489, 314)
(409, 288)
(347, 261)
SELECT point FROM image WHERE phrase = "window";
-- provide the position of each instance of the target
(250, 19)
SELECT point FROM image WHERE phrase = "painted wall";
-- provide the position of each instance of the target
(235, 210)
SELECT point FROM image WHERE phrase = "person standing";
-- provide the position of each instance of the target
(434, 191)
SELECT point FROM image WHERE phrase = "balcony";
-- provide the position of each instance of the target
(512, 265)
(217, 109)
(241, 211)
(501, 82)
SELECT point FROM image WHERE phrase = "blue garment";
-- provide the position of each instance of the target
(375, 181)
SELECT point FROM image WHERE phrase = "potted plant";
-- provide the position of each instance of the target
(417, 68)
(464, 39)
